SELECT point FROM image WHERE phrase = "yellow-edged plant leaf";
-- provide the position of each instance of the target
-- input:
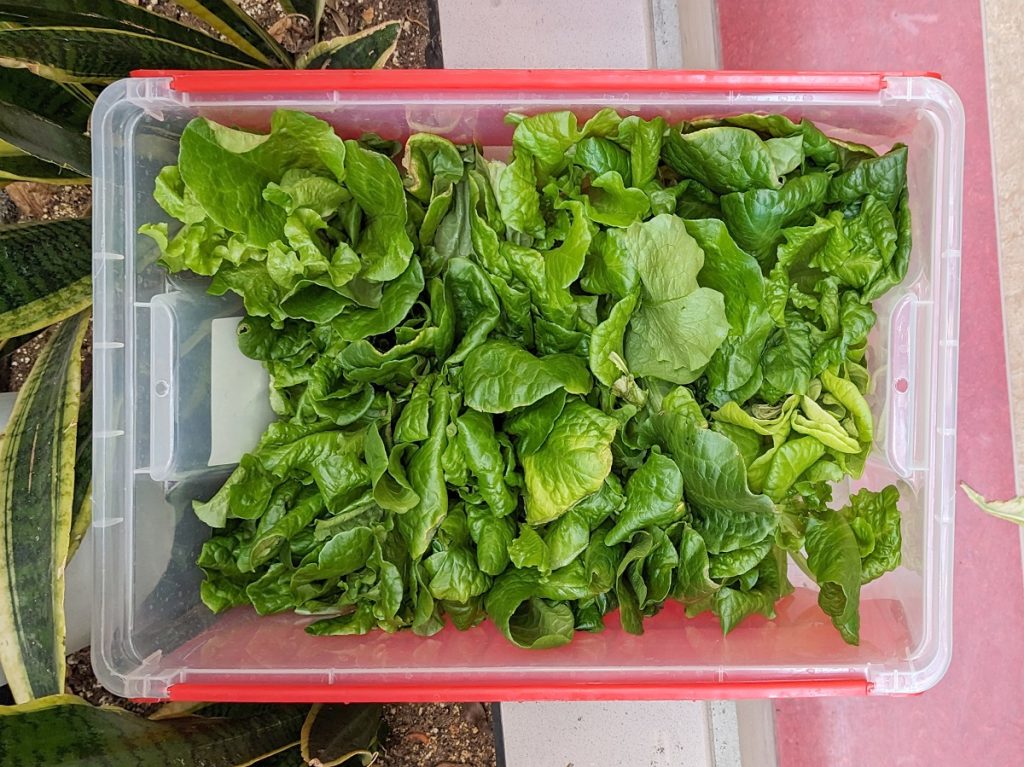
(1012, 509)
(67, 106)
(37, 475)
(81, 504)
(25, 167)
(240, 29)
(43, 139)
(369, 49)
(334, 733)
(93, 55)
(45, 273)
(114, 14)
(80, 521)
(291, 757)
(46, 121)
(80, 92)
(65, 730)
(176, 709)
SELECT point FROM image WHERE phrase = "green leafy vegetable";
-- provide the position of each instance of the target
(653, 497)
(571, 464)
(483, 455)
(679, 325)
(725, 159)
(524, 618)
(737, 276)
(876, 525)
(756, 218)
(500, 376)
(834, 559)
(227, 170)
(625, 364)
(726, 513)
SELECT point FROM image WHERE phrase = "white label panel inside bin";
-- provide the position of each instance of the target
(239, 396)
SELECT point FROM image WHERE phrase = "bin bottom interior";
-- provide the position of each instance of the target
(244, 648)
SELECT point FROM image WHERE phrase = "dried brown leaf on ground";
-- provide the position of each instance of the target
(294, 32)
(429, 735)
(46, 201)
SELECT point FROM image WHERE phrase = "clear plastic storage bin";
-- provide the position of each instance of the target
(169, 420)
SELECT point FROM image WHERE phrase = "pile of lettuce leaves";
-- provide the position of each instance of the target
(623, 367)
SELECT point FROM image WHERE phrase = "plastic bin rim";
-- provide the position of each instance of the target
(543, 80)
(218, 82)
(453, 692)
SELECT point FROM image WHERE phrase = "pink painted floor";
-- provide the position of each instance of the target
(975, 716)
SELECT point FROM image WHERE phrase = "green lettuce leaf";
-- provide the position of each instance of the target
(384, 245)
(500, 376)
(525, 619)
(737, 276)
(724, 159)
(725, 512)
(833, 556)
(679, 325)
(573, 462)
(654, 497)
(227, 170)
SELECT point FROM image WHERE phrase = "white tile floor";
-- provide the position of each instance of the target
(564, 34)
(676, 734)
(625, 34)
(1004, 49)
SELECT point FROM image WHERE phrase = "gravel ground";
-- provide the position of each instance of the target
(15, 366)
(43, 201)
(82, 682)
(415, 735)
(9, 212)
(438, 735)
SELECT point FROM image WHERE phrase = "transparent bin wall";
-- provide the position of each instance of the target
(153, 426)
